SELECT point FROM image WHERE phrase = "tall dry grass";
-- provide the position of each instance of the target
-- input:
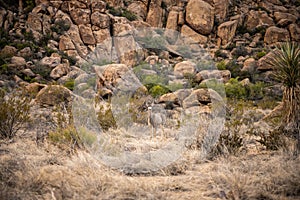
(28, 171)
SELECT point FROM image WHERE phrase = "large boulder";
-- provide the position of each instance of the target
(258, 18)
(100, 20)
(284, 18)
(226, 31)
(53, 95)
(110, 75)
(200, 16)
(155, 13)
(250, 65)
(193, 35)
(275, 34)
(65, 43)
(172, 20)
(81, 16)
(263, 64)
(101, 35)
(86, 34)
(221, 9)
(184, 67)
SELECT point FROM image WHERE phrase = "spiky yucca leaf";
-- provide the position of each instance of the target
(286, 63)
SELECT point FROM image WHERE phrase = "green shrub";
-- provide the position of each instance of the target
(70, 83)
(234, 89)
(175, 86)
(158, 90)
(260, 54)
(154, 79)
(221, 65)
(14, 113)
(42, 70)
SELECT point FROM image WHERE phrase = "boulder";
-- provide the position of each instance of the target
(126, 49)
(155, 13)
(59, 71)
(74, 34)
(100, 20)
(172, 21)
(256, 19)
(86, 34)
(98, 6)
(280, 16)
(110, 75)
(250, 65)
(226, 31)
(34, 22)
(200, 16)
(221, 9)
(139, 9)
(65, 43)
(51, 61)
(101, 35)
(193, 35)
(18, 62)
(121, 26)
(8, 51)
(275, 34)
(262, 63)
(184, 67)
(53, 95)
(80, 15)
(270, 7)
(294, 30)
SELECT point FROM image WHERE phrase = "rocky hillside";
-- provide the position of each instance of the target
(53, 40)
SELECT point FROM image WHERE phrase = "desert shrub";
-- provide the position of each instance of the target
(175, 86)
(42, 70)
(14, 113)
(154, 79)
(260, 54)
(221, 65)
(122, 12)
(272, 141)
(234, 89)
(221, 54)
(60, 26)
(158, 90)
(234, 68)
(70, 83)
(66, 137)
(106, 118)
(240, 51)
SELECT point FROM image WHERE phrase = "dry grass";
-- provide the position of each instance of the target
(28, 171)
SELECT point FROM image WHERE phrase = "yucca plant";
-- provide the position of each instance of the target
(286, 64)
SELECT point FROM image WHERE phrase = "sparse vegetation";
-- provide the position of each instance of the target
(286, 62)
(14, 113)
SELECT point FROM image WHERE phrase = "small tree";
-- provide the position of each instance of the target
(14, 113)
(286, 63)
